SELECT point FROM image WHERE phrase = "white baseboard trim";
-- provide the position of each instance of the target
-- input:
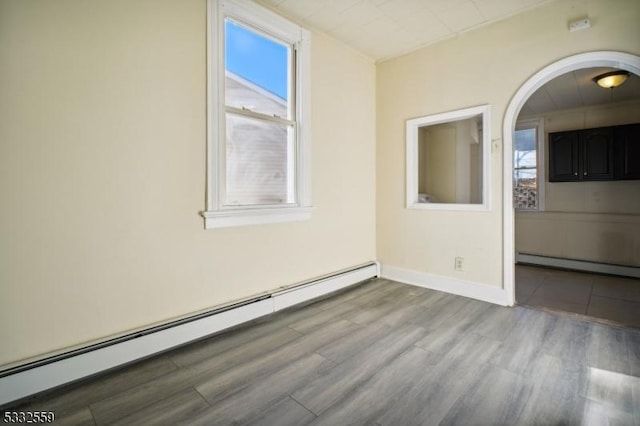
(63, 369)
(293, 296)
(579, 265)
(470, 289)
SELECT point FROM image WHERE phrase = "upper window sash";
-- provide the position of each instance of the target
(246, 42)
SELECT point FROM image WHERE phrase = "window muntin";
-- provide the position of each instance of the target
(259, 159)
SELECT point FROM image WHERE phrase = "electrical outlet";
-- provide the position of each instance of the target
(459, 263)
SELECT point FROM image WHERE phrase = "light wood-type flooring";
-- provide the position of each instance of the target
(609, 298)
(381, 353)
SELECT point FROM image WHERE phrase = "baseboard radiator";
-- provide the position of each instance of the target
(22, 381)
(579, 265)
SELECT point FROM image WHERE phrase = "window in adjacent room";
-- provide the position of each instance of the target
(528, 181)
(259, 165)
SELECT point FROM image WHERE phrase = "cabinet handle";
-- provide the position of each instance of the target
(585, 173)
(575, 174)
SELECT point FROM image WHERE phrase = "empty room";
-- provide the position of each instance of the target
(292, 212)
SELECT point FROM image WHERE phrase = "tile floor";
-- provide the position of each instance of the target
(610, 298)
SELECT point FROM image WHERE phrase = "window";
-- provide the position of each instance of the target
(528, 184)
(258, 138)
(448, 160)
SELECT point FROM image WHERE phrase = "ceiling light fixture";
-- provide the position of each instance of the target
(612, 79)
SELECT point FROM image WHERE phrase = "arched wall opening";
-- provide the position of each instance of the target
(612, 59)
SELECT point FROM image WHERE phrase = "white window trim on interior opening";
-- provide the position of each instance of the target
(218, 215)
(537, 123)
(412, 154)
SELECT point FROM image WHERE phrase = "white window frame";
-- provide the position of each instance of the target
(218, 215)
(538, 124)
(412, 153)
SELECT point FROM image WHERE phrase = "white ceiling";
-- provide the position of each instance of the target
(383, 29)
(576, 89)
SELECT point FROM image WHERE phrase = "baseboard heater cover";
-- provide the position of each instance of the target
(579, 265)
(29, 379)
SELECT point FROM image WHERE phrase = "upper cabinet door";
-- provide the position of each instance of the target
(605, 153)
(563, 157)
(596, 150)
(628, 151)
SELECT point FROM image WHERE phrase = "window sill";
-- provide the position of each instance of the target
(230, 218)
(449, 206)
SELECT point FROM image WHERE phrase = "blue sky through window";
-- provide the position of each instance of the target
(256, 58)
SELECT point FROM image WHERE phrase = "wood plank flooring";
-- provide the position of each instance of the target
(381, 353)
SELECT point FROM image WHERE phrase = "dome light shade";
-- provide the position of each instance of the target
(611, 79)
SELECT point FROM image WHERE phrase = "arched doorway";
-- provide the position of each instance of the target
(613, 59)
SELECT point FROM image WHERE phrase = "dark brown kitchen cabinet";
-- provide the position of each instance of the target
(581, 155)
(605, 153)
(596, 151)
(627, 151)
(563, 157)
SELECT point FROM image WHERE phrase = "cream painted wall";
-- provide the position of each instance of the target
(440, 166)
(594, 237)
(439, 78)
(102, 174)
(467, 139)
(445, 170)
(594, 221)
(423, 148)
(476, 172)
